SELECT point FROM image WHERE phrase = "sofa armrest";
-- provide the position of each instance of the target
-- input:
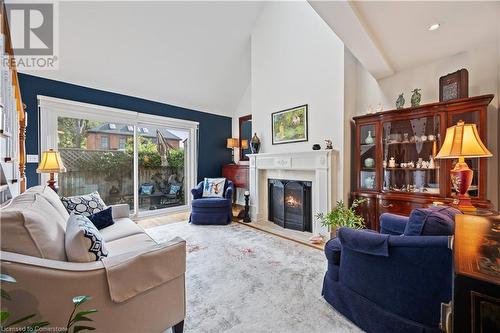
(411, 282)
(133, 273)
(165, 304)
(120, 211)
(197, 192)
(392, 224)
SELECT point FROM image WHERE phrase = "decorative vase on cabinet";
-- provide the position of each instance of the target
(369, 139)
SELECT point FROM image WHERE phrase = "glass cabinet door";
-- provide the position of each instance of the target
(368, 157)
(409, 148)
(473, 163)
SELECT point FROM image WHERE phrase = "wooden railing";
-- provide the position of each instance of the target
(20, 107)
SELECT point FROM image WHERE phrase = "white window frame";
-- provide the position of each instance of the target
(51, 108)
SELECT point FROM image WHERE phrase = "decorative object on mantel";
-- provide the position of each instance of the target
(369, 110)
(416, 97)
(369, 138)
(246, 217)
(290, 125)
(51, 163)
(400, 102)
(379, 108)
(463, 141)
(329, 145)
(316, 146)
(341, 216)
(232, 143)
(454, 85)
(255, 144)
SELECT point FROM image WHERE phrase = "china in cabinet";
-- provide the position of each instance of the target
(396, 169)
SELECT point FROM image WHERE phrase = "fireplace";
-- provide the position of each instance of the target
(289, 204)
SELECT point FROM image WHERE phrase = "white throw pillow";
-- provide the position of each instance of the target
(86, 205)
(83, 242)
(213, 187)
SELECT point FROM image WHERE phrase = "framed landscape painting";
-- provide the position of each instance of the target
(290, 125)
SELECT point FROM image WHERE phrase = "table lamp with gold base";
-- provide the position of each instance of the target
(51, 163)
(232, 143)
(462, 141)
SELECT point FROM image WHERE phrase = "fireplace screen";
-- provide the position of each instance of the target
(289, 204)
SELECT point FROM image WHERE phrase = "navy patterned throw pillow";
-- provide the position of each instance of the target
(85, 205)
(83, 242)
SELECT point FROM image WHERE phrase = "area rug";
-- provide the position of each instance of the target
(244, 280)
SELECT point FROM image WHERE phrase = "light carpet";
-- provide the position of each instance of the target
(244, 280)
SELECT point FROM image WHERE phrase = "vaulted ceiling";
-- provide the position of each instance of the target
(391, 36)
(197, 54)
(189, 54)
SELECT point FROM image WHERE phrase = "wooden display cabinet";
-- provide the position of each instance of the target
(394, 157)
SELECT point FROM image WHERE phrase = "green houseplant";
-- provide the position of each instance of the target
(342, 216)
(71, 327)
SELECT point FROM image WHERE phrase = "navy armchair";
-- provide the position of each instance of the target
(212, 210)
(389, 282)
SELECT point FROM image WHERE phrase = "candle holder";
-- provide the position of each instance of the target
(246, 217)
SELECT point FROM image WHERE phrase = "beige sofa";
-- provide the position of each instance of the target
(140, 287)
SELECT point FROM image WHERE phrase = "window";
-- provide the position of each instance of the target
(112, 126)
(123, 143)
(96, 161)
(104, 142)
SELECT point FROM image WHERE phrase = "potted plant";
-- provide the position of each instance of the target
(342, 216)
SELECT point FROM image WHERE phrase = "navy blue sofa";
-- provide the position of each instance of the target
(212, 210)
(389, 282)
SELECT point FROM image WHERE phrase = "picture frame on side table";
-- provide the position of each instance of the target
(290, 125)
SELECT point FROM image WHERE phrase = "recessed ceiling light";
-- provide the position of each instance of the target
(434, 26)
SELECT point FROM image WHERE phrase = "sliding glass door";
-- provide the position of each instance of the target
(148, 162)
(161, 169)
(98, 156)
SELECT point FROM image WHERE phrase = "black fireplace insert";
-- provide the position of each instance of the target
(289, 204)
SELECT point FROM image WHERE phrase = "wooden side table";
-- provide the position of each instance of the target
(476, 281)
(239, 175)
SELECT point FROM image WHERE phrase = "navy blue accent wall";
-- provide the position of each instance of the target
(213, 129)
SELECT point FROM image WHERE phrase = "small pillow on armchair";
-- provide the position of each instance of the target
(433, 221)
(174, 189)
(213, 187)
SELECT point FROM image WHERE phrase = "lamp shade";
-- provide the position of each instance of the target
(462, 140)
(232, 143)
(244, 144)
(51, 162)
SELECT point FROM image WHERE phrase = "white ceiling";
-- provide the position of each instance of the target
(197, 54)
(391, 36)
(190, 54)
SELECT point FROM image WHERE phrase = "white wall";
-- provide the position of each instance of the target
(244, 109)
(361, 90)
(297, 59)
(483, 64)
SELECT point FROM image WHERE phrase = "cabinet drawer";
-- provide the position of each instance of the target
(238, 175)
(399, 207)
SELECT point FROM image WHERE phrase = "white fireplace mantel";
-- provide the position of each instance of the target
(316, 165)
